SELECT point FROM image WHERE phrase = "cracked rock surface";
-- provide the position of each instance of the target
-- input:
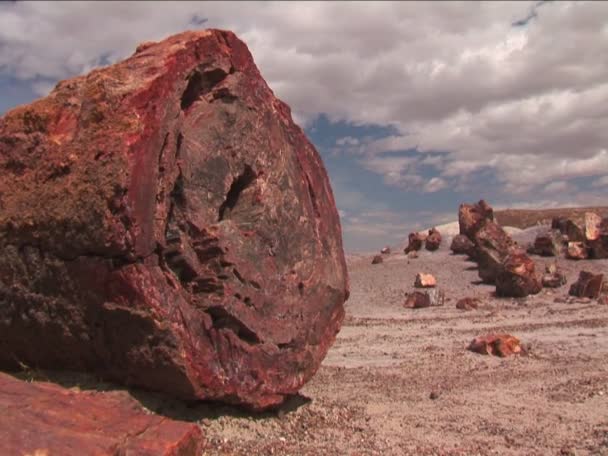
(42, 418)
(165, 224)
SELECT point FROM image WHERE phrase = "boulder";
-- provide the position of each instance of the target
(549, 244)
(433, 240)
(593, 224)
(385, 250)
(166, 224)
(467, 304)
(471, 217)
(517, 277)
(588, 285)
(427, 298)
(598, 246)
(417, 300)
(377, 259)
(492, 245)
(461, 245)
(574, 230)
(553, 277)
(577, 251)
(425, 280)
(502, 345)
(40, 418)
(414, 243)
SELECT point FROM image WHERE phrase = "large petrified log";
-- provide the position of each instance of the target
(517, 276)
(471, 217)
(492, 245)
(41, 418)
(165, 224)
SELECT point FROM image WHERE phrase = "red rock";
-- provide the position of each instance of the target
(461, 245)
(574, 230)
(471, 217)
(424, 280)
(550, 243)
(592, 226)
(467, 304)
(492, 245)
(433, 240)
(166, 224)
(577, 251)
(427, 298)
(417, 300)
(414, 243)
(502, 345)
(385, 250)
(588, 285)
(46, 419)
(517, 277)
(598, 247)
(377, 259)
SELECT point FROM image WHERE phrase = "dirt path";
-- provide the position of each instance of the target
(372, 395)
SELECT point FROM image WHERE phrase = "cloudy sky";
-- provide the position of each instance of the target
(414, 106)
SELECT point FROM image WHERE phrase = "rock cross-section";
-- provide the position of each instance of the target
(166, 224)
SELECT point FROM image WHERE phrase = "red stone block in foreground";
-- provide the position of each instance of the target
(39, 418)
(165, 224)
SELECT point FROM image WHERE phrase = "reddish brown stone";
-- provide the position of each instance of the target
(492, 245)
(588, 285)
(414, 243)
(433, 240)
(46, 419)
(461, 245)
(592, 226)
(577, 251)
(467, 304)
(425, 280)
(496, 344)
(427, 298)
(385, 250)
(471, 217)
(550, 243)
(165, 224)
(517, 277)
(377, 259)
(598, 247)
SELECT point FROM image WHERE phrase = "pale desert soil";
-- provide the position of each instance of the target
(372, 395)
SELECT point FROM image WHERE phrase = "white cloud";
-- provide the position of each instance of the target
(529, 104)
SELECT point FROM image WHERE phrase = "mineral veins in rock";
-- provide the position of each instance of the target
(165, 224)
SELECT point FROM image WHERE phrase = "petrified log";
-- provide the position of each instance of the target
(166, 224)
(577, 251)
(492, 245)
(471, 217)
(433, 240)
(40, 418)
(517, 277)
(427, 298)
(377, 259)
(461, 245)
(598, 246)
(496, 344)
(385, 250)
(550, 243)
(588, 285)
(467, 304)
(414, 243)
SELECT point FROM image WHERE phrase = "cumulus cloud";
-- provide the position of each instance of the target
(514, 88)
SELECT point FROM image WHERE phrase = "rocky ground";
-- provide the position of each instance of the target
(400, 381)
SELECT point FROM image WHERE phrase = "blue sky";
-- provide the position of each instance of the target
(415, 107)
